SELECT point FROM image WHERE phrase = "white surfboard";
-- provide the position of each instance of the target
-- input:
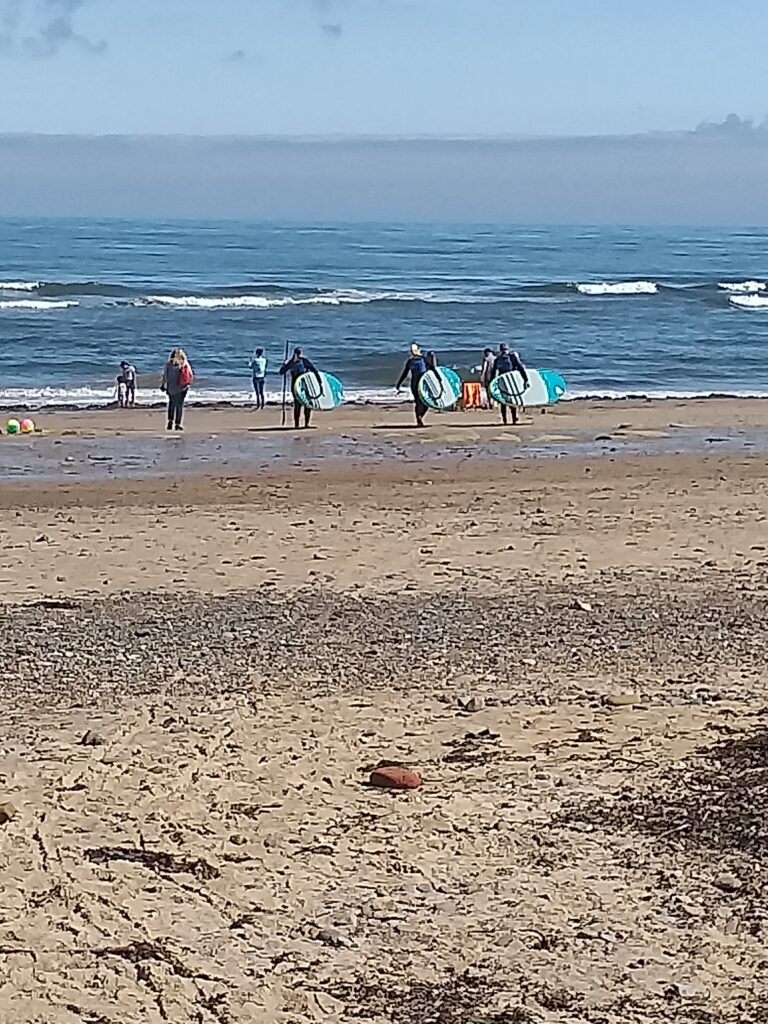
(544, 388)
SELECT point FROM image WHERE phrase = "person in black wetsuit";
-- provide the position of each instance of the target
(416, 367)
(503, 363)
(295, 366)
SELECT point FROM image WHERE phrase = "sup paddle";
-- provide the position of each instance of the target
(285, 384)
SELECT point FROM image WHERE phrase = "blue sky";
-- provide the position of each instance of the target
(393, 67)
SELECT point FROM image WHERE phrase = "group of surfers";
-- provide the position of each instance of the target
(177, 379)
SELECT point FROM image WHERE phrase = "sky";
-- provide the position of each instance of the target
(525, 111)
(379, 67)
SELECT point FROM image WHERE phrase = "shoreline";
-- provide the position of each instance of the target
(232, 442)
(391, 402)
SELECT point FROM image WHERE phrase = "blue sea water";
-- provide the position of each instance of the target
(616, 311)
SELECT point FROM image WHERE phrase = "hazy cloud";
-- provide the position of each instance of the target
(332, 29)
(660, 178)
(733, 126)
(41, 28)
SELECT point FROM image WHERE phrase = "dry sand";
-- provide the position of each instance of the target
(198, 674)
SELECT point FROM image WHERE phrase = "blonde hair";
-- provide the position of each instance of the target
(178, 357)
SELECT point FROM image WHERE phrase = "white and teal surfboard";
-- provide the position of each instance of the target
(545, 387)
(440, 388)
(321, 395)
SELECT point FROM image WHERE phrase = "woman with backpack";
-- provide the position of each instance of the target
(177, 378)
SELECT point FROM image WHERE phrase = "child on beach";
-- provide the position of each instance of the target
(128, 374)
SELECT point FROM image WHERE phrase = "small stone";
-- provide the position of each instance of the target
(238, 840)
(7, 813)
(587, 736)
(683, 990)
(582, 606)
(471, 704)
(332, 937)
(729, 883)
(622, 700)
(92, 739)
(394, 777)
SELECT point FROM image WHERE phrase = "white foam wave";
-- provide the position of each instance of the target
(87, 397)
(37, 304)
(339, 297)
(619, 288)
(19, 286)
(742, 286)
(615, 395)
(749, 301)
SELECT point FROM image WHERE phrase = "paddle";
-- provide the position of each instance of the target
(285, 384)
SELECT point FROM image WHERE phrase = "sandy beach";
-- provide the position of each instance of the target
(210, 641)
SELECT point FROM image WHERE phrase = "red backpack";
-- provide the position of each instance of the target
(186, 376)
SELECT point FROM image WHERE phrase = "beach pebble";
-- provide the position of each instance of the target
(728, 883)
(622, 700)
(582, 606)
(92, 739)
(7, 813)
(471, 704)
(394, 777)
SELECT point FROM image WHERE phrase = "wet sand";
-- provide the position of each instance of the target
(198, 673)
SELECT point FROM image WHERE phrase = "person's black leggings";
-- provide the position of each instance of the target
(258, 387)
(512, 409)
(298, 408)
(419, 407)
(176, 408)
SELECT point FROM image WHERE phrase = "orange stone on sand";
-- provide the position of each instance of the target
(395, 777)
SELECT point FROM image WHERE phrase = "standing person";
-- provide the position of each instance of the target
(503, 363)
(259, 375)
(120, 388)
(416, 366)
(177, 378)
(486, 373)
(294, 367)
(128, 372)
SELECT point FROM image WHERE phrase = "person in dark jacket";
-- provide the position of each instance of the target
(295, 367)
(503, 363)
(177, 377)
(415, 367)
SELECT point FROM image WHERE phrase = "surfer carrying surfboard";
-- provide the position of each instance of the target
(295, 367)
(505, 362)
(416, 367)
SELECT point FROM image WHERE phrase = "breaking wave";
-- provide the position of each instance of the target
(749, 301)
(339, 297)
(742, 286)
(36, 304)
(619, 288)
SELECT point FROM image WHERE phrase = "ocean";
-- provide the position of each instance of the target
(617, 311)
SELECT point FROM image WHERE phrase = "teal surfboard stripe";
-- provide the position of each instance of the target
(441, 388)
(555, 384)
(544, 388)
(322, 399)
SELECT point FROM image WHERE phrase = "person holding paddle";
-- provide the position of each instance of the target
(504, 362)
(294, 368)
